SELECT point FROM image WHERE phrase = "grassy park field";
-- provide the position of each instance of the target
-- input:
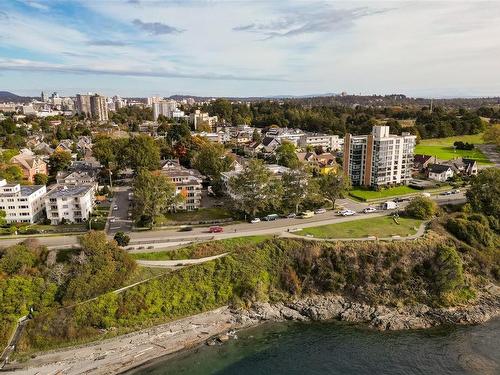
(443, 149)
(382, 226)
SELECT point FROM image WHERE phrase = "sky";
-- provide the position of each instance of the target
(250, 48)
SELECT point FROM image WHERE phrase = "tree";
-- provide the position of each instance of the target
(203, 126)
(286, 155)
(492, 134)
(295, 185)
(484, 192)
(153, 194)
(121, 239)
(3, 215)
(254, 189)
(142, 152)
(104, 150)
(100, 267)
(256, 136)
(421, 208)
(211, 160)
(59, 161)
(11, 173)
(40, 179)
(333, 186)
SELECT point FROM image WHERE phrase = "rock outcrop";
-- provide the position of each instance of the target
(328, 307)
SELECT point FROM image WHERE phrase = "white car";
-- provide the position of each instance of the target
(347, 213)
(369, 210)
(115, 208)
(320, 211)
(112, 220)
(255, 221)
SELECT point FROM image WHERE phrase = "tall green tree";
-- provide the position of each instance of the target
(286, 155)
(143, 152)
(59, 161)
(211, 160)
(255, 189)
(333, 186)
(295, 186)
(484, 192)
(153, 194)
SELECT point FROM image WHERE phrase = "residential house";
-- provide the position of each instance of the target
(22, 204)
(440, 172)
(326, 141)
(466, 167)
(73, 203)
(30, 164)
(43, 149)
(76, 178)
(187, 183)
(422, 162)
(285, 134)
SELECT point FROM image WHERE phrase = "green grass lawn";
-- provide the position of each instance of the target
(383, 226)
(365, 194)
(187, 252)
(442, 148)
(203, 214)
(476, 139)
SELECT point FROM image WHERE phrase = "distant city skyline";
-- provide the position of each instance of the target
(235, 48)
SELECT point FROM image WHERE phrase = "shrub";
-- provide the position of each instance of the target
(421, 208)
(121, 239)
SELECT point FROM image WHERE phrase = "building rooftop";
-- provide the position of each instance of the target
(69, 191)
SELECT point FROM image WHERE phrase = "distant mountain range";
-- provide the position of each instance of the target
(6, 96)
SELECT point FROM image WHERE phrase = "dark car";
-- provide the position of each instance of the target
(185, 228)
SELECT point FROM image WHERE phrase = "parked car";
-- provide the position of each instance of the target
(255, 221)
(347, 213)
(112, 220)
(271, 217)
(306, 214)
(115, 208)
(398, 200)
(216, 229)
(369, 210)
(447, 193)
(291, 216)
(319, 211)
(455, 191)
(428, 195)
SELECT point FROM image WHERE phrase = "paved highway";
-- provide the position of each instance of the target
(236, 230)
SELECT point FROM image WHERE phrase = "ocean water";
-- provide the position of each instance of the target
(340, 348)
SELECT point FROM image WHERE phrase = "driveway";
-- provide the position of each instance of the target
(491, 152)
(121, 221)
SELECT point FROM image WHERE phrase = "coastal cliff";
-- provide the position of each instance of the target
(328, 307)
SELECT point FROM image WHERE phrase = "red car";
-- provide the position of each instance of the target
(216, 229)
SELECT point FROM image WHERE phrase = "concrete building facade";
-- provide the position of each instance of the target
(380, 158)
(22, 204)
(71, 203)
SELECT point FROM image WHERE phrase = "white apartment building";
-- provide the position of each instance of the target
(329, 142)
(154, 99)
(285, 134)
(379, 158)
(187, 183)
(72, 203)
(23, 204)
(199, 117)
(165, 108)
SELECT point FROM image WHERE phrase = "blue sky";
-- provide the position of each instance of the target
(250, 48)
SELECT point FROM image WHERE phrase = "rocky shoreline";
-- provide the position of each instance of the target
(324, 307)
(123, 353)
